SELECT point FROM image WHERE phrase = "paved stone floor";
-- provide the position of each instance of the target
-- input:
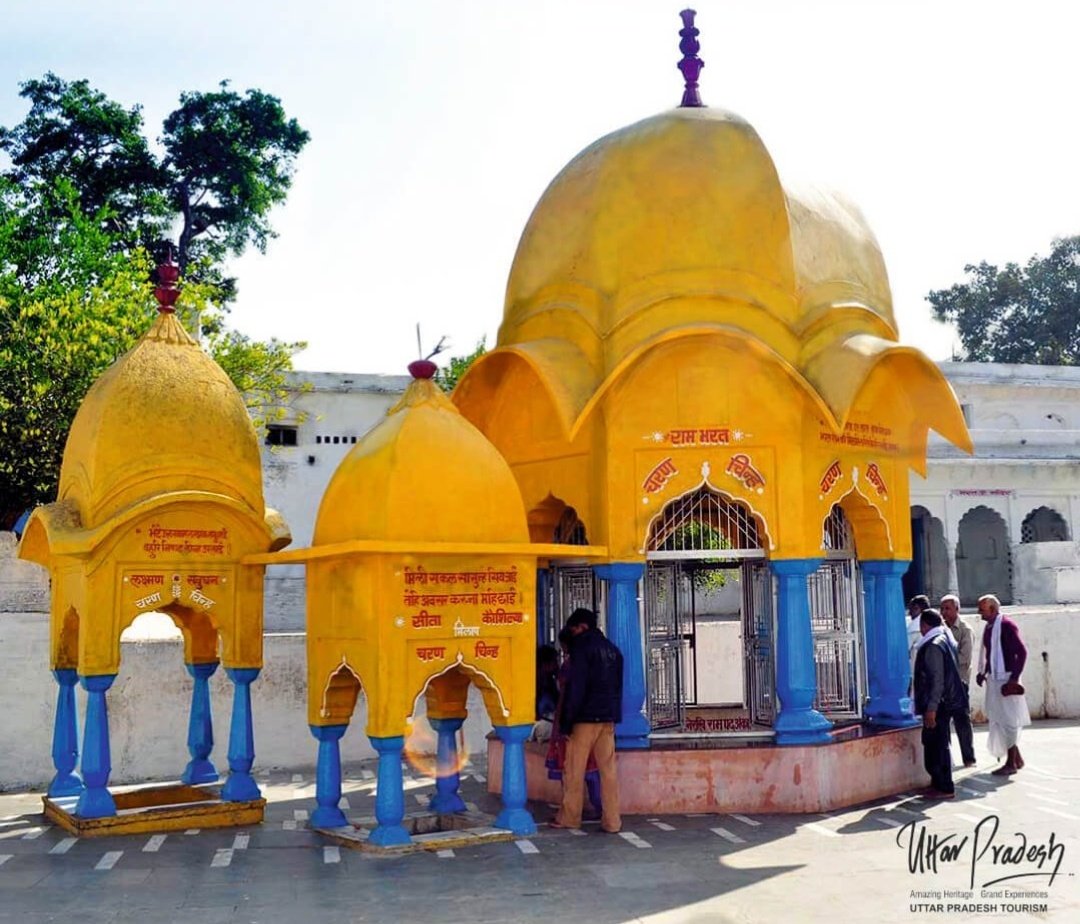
(847, 866)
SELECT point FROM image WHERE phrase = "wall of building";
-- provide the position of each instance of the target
(330, 412)
(1025, 423)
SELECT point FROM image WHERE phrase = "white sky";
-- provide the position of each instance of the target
(437, 125)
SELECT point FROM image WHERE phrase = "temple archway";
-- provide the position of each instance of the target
(983, 558)
(929, 570)
(1044, 524)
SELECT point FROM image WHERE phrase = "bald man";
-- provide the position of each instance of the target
(1003, 660)
(965, 641)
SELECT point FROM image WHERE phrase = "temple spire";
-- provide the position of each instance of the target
(167, 291)
(691, 64)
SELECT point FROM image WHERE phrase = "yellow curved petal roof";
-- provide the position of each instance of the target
(423, 474)
(164, 417)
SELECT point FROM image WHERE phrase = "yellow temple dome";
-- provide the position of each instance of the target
(423, 474)
(164, 417)
(687, 205)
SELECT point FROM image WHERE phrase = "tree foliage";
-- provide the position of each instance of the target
(448, 377)
(83, 203)
(1018, 314)
(228, 159)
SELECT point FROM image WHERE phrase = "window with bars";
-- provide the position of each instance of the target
(705, 521)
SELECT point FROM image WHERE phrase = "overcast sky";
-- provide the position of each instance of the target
(436, 125)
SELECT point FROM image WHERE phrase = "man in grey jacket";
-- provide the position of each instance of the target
(939, 695)
(965, 642)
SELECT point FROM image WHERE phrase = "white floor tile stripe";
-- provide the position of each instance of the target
(889, 822)
(1060, 814)
(527, 846)
(300, 814)
(663, 825)
(974, 792)
(222, 857)
(1038, 786)
(33, 834)
(193, 831)
(240, 842)
(1043, 798)
(820, 829)
(63, 846)
(154, 844)
(1049, 776)
(634, 839)
(4, 857)
(577, 832)
(445, 854)
(331, 854)
(728, 836)
(978, 805)
(747, 821)
(970, 819)
(108, 861)
(907, 811)
(982, 784)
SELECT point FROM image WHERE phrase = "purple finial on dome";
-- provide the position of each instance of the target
(691, 64)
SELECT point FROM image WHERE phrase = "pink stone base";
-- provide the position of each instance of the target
(752, 780)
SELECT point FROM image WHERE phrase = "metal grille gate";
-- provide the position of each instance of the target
(834, 626)
(570, 587)
(759, 630)
(664, 661)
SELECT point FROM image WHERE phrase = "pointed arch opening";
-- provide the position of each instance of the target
(1044, 524)
(706, 523)
(983, 556)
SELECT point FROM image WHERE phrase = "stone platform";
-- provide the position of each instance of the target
(680, 776)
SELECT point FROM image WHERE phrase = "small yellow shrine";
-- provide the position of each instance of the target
(421, 580)
(160, 498)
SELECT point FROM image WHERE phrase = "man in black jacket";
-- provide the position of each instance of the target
(939, 696)
(592, 704)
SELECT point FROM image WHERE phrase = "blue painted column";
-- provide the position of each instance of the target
(96, 801)
(389, 794)
(446, 799)
(200, 738)
(241, 786)
(65, 744)
(796, 679)
(888, 666)
(328, 812)
(624, 629)
(514, 817)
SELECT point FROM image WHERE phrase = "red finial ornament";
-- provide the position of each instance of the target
(422, 369)
(167, 291)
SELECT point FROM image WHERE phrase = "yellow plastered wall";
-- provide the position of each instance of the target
(392, 624)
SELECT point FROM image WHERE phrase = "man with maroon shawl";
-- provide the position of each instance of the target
(1003, 659)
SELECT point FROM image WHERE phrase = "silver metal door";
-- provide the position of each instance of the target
(664, 645)
(759, 632)
(835, 627)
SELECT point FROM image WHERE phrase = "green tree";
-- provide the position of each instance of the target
(228, 159)
(1018, 314)
(82, 202)
(448, 377)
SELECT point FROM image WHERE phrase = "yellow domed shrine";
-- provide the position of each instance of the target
(704, 367)
(421, 580)
(160, 498)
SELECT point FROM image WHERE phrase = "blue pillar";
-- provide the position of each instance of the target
(796, 679)
(200, 738)
(446, 799)
(888, 666)
(240, 786)
(389, 794)
(96, 801)
(514, 817)
(65, 745)
(328, 813)
(624, 629)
